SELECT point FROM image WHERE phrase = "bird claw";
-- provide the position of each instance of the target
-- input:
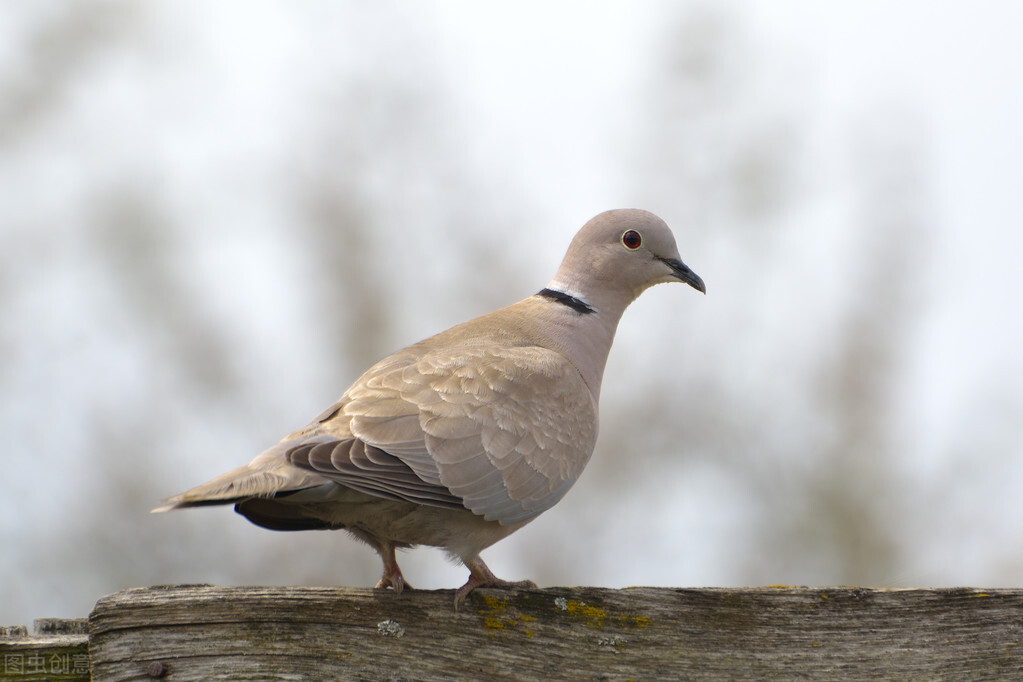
(392, 576)
(480, 576)
(396, 581)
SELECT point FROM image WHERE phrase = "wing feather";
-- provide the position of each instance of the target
(502, 431)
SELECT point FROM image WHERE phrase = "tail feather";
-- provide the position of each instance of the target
(277, 516)
(240, 484)
(267, 476)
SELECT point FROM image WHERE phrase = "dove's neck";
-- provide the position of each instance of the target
(581, 327)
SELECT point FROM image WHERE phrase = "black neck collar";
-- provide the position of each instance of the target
(578, 305)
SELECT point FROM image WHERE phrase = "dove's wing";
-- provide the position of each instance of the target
(502, 431)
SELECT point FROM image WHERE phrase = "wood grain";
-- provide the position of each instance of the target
(57, 649)
(219, 633)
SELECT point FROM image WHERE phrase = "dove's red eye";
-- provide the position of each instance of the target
(632, 240)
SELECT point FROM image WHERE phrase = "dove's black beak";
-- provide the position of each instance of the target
(682, 271)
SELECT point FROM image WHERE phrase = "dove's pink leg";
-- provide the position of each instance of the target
(480, 576)
(392, 576)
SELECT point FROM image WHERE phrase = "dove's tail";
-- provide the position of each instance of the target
(269, 475)
(230, 488)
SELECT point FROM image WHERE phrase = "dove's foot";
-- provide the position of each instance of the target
(480, 576)
(392, 576)
(395, 581)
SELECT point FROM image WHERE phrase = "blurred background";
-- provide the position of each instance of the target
(214, 216)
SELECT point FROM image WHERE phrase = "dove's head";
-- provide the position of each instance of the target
(619, 254)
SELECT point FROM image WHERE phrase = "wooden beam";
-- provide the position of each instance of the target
(206, 632)
(57, 649)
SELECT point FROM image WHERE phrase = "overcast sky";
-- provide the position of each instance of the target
(206, 103)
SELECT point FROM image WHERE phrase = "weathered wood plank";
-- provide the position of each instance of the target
(58, 649)
(207, 632)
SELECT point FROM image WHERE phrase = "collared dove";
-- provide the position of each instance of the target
(461, 439)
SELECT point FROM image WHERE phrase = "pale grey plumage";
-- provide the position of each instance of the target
(466, 436)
